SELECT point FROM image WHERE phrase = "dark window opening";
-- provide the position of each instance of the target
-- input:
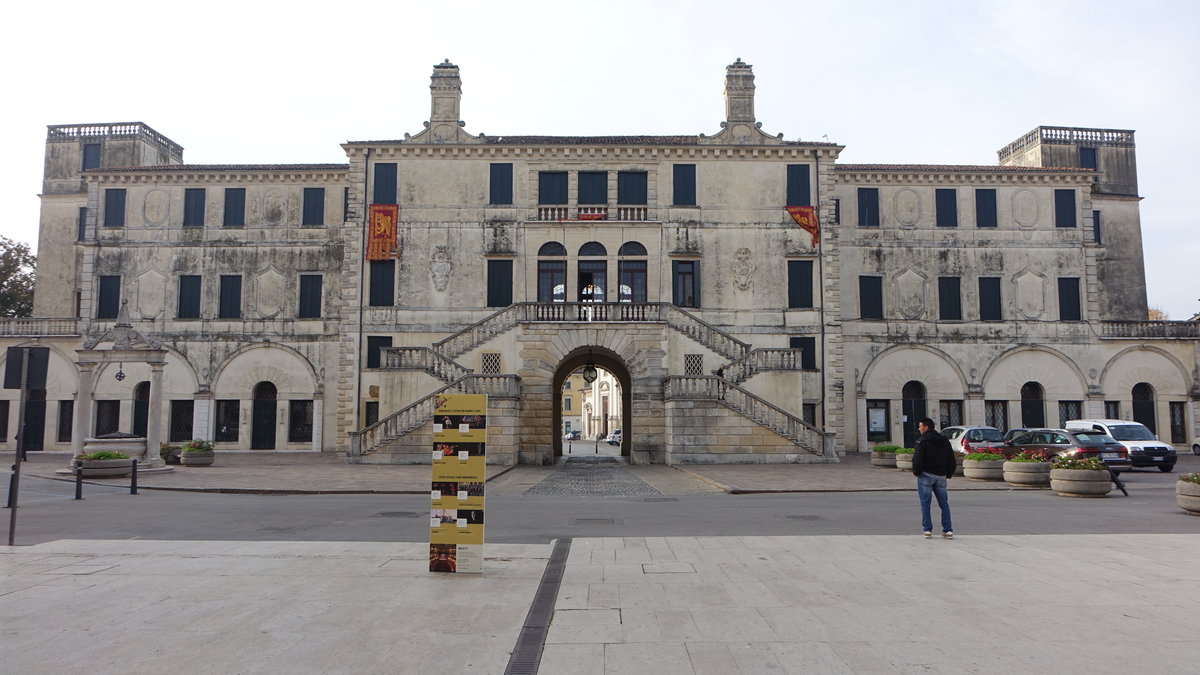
(631, 275)
(193, 207)
(552, 281)
(985, 208)
(1087, 158)
(990, 308)
(1068, 299)
(227, 421)
(499, 283)
(66, 420)
(870, 297)
(949, 298)
(868, 207)
(500, 184)
(946, 207)
(81, 226)
(552, 187)
(91, 156)
(1064, 208)
(685, 286)
(108, 417)
(300, 421)
(808, 351)
(108, 299)
(314, 206)
(229, 305)
(593, 187)
(684, 184)
(384, 189)
(114, 207)
(180, 427)
(800, 284)
(189, 297)
(631, 187)
(799, 191)
(375, 346)
(310, 297)
(382, 292)
(235, 208)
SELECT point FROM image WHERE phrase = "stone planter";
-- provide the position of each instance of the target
(100, 468)
(985, 469)
(196, 458)
(904, 461)
(958, 464)
(1187, 495)
(1081, 482)
(883, 458)
(1027, 474)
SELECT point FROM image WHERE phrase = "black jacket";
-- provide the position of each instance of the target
(933, 455)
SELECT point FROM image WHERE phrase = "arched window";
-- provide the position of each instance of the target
(552, 248)
(1033, 407)
(1143, 406)
(593, 248)
(552, 274)
(593, 274)
(631, 274)
(632, 248)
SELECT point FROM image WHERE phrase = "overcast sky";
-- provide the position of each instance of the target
(938, 82)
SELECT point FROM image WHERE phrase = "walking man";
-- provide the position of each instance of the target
(933, 465)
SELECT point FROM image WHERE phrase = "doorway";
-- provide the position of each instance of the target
(596, 383)
(262, 417)
(913, 409)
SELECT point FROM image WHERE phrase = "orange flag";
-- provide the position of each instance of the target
(381, 231)
(806, 218)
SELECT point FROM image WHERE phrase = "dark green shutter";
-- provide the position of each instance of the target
(985, 208)
(800, 283)
(193, 207)
(310, 296)
(868, 207)
(593, 187)
(383, 283)
(500, 184)
(1064, 208)
(946, 207)
(235, 207)
(684, 184)
(799, 192)
(108, 299)
(385, 184)
(114, 207)
(949, 298)
(1068, 299)
(499, 283)
(631, 187)
(552, 187)
(189, 297)
(314, 206)
(870, 297)
(229, 305)
(989, 299)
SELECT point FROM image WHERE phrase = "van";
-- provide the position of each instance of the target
(1144, 447)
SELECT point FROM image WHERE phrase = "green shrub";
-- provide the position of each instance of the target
(983, 457)
(197, 445)
(1031, 456)
(886, 448)
(104, 454)
(1190, 477)
(905, 451)
(1089, 463)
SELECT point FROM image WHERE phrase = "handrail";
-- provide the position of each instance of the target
(776, 419)
(30, 326)
(1149, 329)
(710, 336)
(758, 360)
(425, 359)
(477, 333)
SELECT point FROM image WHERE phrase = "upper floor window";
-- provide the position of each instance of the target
(799, 192)
(1068, 299)
(189, 297)
(114, 207)
(870, 297)
(193, 207)
(235, 207)
(800, 284)
(946, 207)
(552, 187)
(552, 248)
(1064, 208)
(385, 183)
(684, 184)
(500, 184)
(985, 207)
(685, 283)
(632, 187)
(1087, 158)
(229, 305)
(949, 298)
(382, 290)
(868, 207)
(314, 206)
(91, 156)
(108, 297)
(310, 297)
(593, 187)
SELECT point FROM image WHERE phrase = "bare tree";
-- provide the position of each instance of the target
(1156, 314)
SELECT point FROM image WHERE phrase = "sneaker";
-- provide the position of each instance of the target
(928, 534)
(948, 535)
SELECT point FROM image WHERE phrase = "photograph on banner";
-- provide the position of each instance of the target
(443, 558)
(460, 423)
(453, 449)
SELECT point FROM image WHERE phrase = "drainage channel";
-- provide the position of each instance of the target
(527, 654)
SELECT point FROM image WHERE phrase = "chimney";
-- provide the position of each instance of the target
(446, 88)
(739, 93)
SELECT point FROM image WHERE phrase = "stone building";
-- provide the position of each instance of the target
(323, 307)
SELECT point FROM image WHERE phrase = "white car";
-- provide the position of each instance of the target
(1144, 447)
(963, 439)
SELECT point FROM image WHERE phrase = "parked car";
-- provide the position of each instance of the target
(1144, 447)
(572, 435)
(615, 437)
(1013, 433)
(1079, 443)
(965, 439)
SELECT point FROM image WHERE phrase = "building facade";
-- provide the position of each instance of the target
(324, 307)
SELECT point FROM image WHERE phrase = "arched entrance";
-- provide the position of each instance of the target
(1143, 406)
(913, 408)
(141, 408)
(262, 417)
(600, 358)
(1033, 406)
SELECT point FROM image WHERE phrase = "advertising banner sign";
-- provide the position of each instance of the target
(456, 506)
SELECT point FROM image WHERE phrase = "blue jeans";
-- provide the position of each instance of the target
(928, 486)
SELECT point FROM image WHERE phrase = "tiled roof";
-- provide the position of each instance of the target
(185, 168)
(593, 140)
(956, 168)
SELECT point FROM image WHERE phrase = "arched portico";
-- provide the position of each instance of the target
(600, 358)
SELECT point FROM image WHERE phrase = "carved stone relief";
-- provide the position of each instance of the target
(910, 294)
(156, 207)
(151, 294)
(274, 206)
(907, 207)
(743, 269)
(268, 293)
(1025, 208)
(1031, 294)
(440, 267)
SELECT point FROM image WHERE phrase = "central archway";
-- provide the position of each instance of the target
(601, 358)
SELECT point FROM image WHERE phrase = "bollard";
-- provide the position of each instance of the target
(133, 479)
(12, 487)
(78, 479)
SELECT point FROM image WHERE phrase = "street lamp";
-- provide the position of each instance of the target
(589, 371)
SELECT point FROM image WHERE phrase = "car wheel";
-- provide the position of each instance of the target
(1166, 468)
(1196, 449)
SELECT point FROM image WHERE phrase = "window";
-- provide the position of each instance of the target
(314, 206)
(375, 346)
(693, 365)
(593, 187)
(995, 414)
(1178, 425)
(985, 208)
(552, 187)
(91, 156)
(870, 297)
(235, 208)
(109, 297)
(3, 421)
(300, 421)
(382, 292)
(1064, 208)
(180, 426)
(1096, 233)
(566, 403)
(878, 425)
(193, 207)
(114, 207)
(800, 284)
(799, 192)
(685, 286)
(499, 283)
(684, 184)
(552, 281)
(631, 276)
(345, 204)
(229, 305)
(500, 184)
(990, 308)
(1112, 410)
(837, 212)
(66, 420)
(1087, 158)
(868, 207)
(385, 183)
(1069, 410)
(81, 225)
(946, 207)
(950, 412)
(949, 298)
(371, 414)
(226, 430)
(189, 297)
(1068, 299)
(808, 413)
(593, 281)
(310, 297)
(631, 187)
(808, 351)
(489, 363)
(108, 417)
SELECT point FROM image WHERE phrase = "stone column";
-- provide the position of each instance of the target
(83, 406)
(154, 433)
(318, 426)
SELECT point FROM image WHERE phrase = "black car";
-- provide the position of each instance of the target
(1078, 443)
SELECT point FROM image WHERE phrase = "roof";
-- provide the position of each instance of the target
(958, 168)
(690, 140)
(176, 168)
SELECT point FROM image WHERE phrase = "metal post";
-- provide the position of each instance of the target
(16, 475)
(133, 479)
(78, 479)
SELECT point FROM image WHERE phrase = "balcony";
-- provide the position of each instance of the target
(593, 213)
(31, 327)
(1149, 329)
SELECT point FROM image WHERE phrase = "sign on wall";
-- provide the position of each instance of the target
(456, 507)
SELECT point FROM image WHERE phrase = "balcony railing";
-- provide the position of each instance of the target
(1149, 329)
(590, 213)
(30, 327)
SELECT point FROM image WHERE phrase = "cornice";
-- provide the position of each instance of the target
(258, 177)
(958, 176)
(591, 152)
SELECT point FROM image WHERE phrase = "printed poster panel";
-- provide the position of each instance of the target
(456, 492)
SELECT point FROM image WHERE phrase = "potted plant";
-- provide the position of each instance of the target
(983, 465)
(958, 462)
(884, 455)
(169, 453)
(1187, 493)
(1028, 468)
(904, 458)
(1076, 477)
(196, 452)
(105, 463)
